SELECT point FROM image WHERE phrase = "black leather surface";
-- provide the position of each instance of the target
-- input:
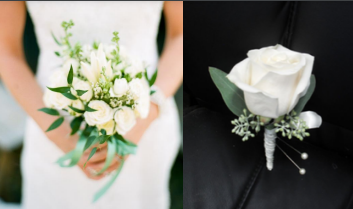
(223, 172)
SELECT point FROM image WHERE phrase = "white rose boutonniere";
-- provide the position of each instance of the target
(270, 88)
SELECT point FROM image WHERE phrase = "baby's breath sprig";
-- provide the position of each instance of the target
(293, 126)
(245, 123)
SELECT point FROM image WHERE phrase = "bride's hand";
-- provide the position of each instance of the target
(67, 143)
(97, 161)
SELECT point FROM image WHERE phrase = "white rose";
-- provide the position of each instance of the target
(83, 85)
(108, 127)
(78, 105)
(135, 66)
(58, 78)
(67, 64)
(125, 120)
(273, 79)
(103, 114)
(55, 100)
(120, 88)
(140, 90)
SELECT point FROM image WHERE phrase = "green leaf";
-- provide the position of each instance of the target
(232, 95)
(89, 142)
(50, 111)
(56, 40)
(88, 109)
(103, 138)
(303, 100)
(152, 92)
(90, 155)
(56, 124)
(75, 125)
(64, 89)
(70, 76)
(57, 54)
(69, 96)
(153, 79)
(103, 131)
(76, 110)
(81, 92)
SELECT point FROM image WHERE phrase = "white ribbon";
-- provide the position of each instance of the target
(312, 119)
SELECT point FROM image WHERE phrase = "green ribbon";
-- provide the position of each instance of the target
(116, 145)
(75, 155)
(105, 188)
(121, 147)
(110, 156)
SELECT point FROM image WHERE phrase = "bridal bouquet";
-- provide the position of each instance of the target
(270, 88)
(104, 90)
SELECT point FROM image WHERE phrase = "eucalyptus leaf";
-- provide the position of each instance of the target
(76, 110)
(50, 111)
(232, 95)
(90, 155)
(153, 78)
(75, 125)
(303, 100)
(70, 76)
(81, 92)
(69, 96)
(55, 124)
(64, 89)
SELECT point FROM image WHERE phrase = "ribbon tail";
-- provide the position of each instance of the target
(312, 119)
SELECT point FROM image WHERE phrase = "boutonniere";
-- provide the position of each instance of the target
(270, 89)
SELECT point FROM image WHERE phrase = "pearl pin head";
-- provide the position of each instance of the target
(302, 171)
(304, 156)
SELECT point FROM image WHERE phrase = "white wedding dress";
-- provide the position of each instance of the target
(143, 182)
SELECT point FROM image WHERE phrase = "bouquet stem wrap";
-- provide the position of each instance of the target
(270, 145)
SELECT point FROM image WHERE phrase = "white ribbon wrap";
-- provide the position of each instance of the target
(312, 119)
(270, 145)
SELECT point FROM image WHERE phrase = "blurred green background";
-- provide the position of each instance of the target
(10, 175)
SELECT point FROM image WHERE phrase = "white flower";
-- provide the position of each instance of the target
(120, 88)
(79, 84)
(58, 78)
(134, 67)
(140, 90)
(273, 79)
(103, 114)
(108, 49)
(108, 127)
(78, 105)
(125, 120)
(67, 64)
(86, 51)
(55, 100)
(98, 61)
